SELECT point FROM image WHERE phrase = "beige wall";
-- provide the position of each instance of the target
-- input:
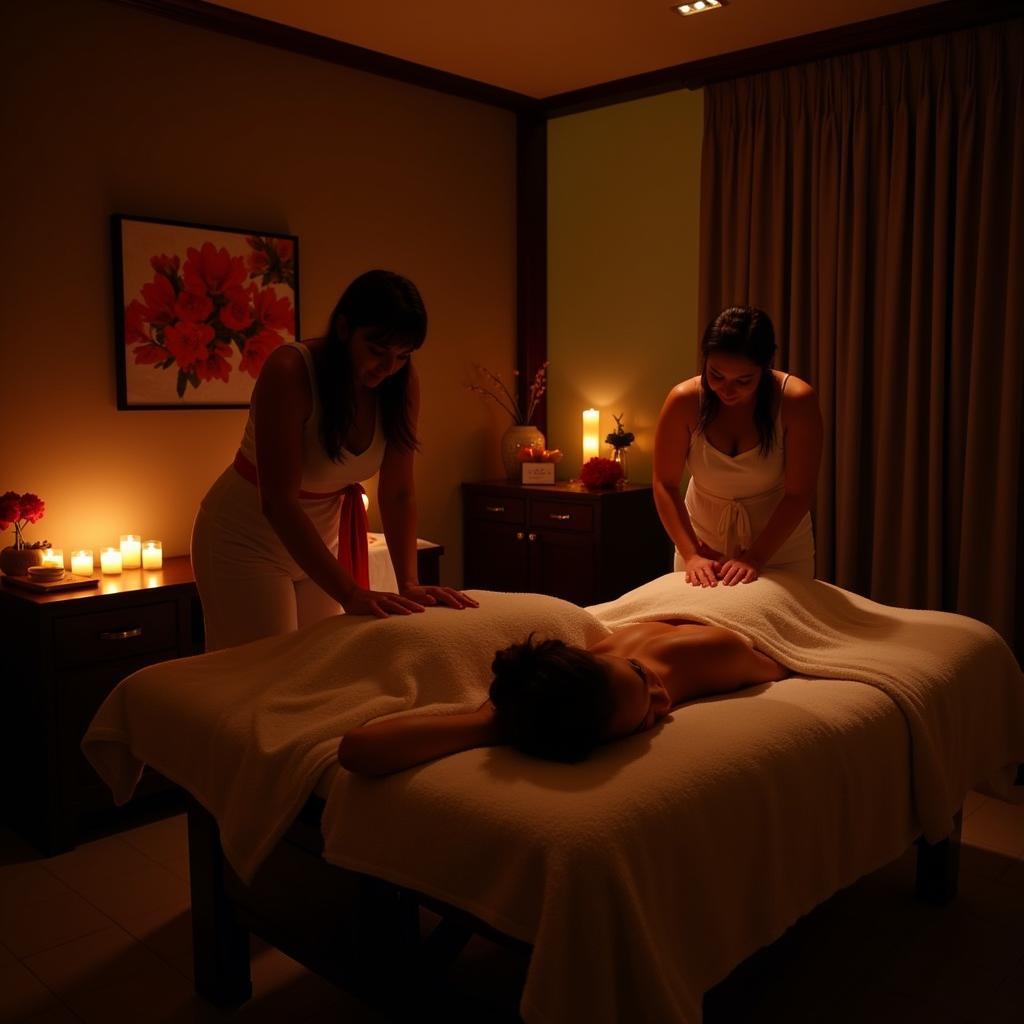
(108, 109)
(623, 209)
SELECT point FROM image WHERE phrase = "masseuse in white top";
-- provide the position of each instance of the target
(750, 437)
(280, 538)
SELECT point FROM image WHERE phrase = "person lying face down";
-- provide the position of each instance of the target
(559, 702)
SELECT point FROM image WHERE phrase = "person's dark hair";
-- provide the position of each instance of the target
(390, 306)
(551, 700)
(747, 332)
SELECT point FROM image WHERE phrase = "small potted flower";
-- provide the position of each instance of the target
(619, 441)
(18, 510)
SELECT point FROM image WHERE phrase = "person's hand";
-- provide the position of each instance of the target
(741, 569)
(701, 571)
(430, 595)
(379, 603)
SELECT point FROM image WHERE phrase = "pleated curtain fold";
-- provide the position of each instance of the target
(873, 204)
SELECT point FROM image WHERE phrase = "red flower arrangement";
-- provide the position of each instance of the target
(195, 316)
(18, 510)
(600, 473)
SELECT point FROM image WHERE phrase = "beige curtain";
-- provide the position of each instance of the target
(874, 205)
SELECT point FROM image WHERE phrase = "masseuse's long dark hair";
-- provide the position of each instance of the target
(390, 306)
(747, 332)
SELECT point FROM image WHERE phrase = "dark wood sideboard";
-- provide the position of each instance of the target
(561, 539)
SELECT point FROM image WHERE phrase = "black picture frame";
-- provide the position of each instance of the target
(197, 309)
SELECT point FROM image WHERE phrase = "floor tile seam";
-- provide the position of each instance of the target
(49, 988)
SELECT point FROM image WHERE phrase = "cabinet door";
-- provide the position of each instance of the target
(496, 557)
(564, 565)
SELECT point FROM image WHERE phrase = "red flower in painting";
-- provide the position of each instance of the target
(187, 342)
(32, 507)
(258, 262)
(193, 306)
(272, 312)
(212, 270)
(236, 313)
(166, 265)
(214, 366)
(135, 321)
(160, 297)
(148, 354)
(257, 348)
(10, 509)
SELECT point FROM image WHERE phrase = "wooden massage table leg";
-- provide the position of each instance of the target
(220, 945)
(938, 866)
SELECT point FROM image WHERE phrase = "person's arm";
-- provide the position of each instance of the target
(676, 423)
(382, 748)
(803, 439)
(282, 402)
(396, 492)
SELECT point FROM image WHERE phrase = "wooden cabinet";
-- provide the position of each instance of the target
(63, 653)
(583, 546)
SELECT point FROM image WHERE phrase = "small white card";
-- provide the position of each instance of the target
(538, 472)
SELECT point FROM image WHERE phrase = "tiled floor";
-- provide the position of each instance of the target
(101, 935)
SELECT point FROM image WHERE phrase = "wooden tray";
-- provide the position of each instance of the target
(69, 582)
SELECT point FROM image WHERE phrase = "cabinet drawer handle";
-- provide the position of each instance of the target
(494, 508)
(562, 517)
(122, 634)
(519, 534)
(533, 536)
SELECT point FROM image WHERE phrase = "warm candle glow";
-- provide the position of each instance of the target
(110, 562)
(131, 551)
(152, 555)
(366, 501)
(591, 433)
(53, 556)
(81, 562)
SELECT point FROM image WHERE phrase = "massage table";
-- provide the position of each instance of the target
(636, 880)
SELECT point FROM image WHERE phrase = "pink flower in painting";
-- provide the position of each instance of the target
(32, 507)
(236, 313)
(257, 348)
(187, 342)
(272, 312)
(160, 297)
(166, 265)
(10, 509)
(213, 270)
(193, 306)
(214, 366)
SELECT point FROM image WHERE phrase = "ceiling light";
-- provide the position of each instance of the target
(699, 7)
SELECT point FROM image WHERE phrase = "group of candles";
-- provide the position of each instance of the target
(134, 553)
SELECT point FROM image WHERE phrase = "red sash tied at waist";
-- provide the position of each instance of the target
(353, 542)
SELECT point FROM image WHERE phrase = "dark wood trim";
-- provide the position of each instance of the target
(310, 44)
(864, 35)
(531, 256)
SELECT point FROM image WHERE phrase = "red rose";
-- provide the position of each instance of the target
(194, 306)
(600, 473)
(32, 507)
(236, 314)
(256, 351)
(212, 270)
(10, 509)
(187, 342)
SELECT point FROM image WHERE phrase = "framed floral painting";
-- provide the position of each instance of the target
(197, 311)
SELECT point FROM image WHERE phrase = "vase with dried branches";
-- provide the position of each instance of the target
(521, 434)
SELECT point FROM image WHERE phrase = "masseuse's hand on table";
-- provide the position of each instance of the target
(703, 566)
(448, 596)
(741, 569)
(379, 603)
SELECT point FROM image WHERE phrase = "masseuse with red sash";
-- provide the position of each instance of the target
(280, 538)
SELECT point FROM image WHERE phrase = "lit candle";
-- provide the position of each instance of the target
(591, 433)
(53, 556)
(152, 555)
(110, 562)
(131, 551)
(81, 563)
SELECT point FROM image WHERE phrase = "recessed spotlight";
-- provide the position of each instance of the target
(699, 7)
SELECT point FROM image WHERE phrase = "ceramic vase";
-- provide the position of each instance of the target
(518, 436)
(16, 561)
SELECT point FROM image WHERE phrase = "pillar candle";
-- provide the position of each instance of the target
(81, 563)
(152, 555)
(110, 562)
(591, 433)
(131, 551)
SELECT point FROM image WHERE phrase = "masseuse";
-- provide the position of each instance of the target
(750, 437)
(280, 538)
